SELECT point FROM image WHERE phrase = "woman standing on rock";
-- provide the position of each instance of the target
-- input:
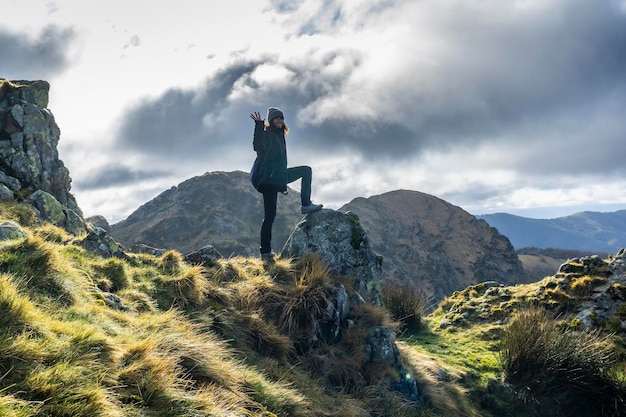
(270, 174)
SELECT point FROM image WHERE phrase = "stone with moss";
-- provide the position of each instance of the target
(11, 230)
(344, 247)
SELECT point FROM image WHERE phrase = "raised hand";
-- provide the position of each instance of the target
(256, 116)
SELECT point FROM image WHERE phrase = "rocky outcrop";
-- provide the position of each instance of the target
(604, 291)
(585, 293)
(438, 247)
(98, 241)
(343, 245)
(30, 168)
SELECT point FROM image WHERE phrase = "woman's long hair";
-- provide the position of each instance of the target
(268, 126)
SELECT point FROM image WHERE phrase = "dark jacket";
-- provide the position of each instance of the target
(271, 160)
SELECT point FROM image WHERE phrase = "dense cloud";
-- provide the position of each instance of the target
(115, 175)
(35, 57)
(481, 103)
(546, 74)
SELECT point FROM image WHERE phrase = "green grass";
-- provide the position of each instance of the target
(197, 341)
(233, 339)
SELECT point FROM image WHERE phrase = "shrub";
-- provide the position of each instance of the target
(171, 261)
(555, 367)
(405, 303)
(304, 301)
(114, 272)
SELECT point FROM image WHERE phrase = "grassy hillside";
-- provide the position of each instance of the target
(226, 340)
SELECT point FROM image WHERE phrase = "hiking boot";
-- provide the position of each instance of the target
(310, 208)
(268, 256)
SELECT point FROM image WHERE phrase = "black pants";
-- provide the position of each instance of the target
(270, 198)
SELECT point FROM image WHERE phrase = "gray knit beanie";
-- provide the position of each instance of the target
(274, 112)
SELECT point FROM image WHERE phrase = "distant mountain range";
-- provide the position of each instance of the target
(422, 238)
(588, 230)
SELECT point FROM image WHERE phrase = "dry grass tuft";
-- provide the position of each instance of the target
(553, 366)
(369, 315)
(41, 265)
(52, 233)
(110, 275)
(250, 294)
(21, 213)
(264, 338)
(15, 310)
(281, 270)
(406, 304)
(148, 375)
(171, 261)
(341, 370)
(139, 301)
(11, 406)
(226, 270)
(68, 389)
(382, 402)
(304, 301)
(187, 288)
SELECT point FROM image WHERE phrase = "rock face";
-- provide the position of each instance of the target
(586, 292)
(436, 246)
(30, 168)
(343, 245)
(219, 208)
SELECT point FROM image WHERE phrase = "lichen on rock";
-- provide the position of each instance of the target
(30, 168)
(341, 242)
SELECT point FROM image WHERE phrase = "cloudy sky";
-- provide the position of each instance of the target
(494, 106)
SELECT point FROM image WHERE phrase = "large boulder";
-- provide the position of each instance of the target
(341, 242)
(49, 209)
(207, 255)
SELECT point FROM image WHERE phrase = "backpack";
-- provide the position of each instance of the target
(255, 173)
